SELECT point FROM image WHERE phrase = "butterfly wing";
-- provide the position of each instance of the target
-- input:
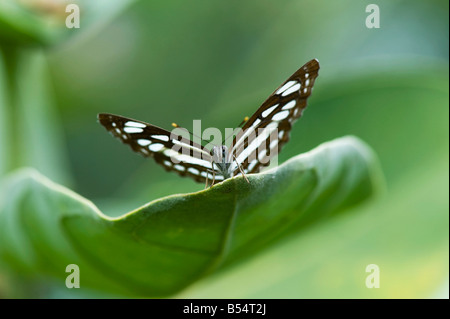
(173, 152)
(279, 111)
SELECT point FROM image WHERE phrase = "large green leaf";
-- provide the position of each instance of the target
(169, 243)
(404, 232)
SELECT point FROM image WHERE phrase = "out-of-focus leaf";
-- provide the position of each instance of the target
(404, 233)
(30, 131)
(32, 135)
(5, 126)
(30, 22)
(170, 243)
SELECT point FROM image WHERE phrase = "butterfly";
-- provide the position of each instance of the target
(248, 153)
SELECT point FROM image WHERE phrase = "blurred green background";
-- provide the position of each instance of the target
(172, 61)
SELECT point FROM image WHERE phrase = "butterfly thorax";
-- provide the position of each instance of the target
(220, 159)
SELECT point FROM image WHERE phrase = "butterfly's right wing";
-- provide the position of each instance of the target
(279, 111)
(174, 153)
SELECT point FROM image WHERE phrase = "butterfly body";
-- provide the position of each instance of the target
(220, 157)
(244, 156)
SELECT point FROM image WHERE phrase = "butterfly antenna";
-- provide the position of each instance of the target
(243, 121)
(177, 126)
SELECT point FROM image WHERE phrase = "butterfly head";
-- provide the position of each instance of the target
(220, 158)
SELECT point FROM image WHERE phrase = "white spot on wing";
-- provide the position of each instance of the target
(273, 144)
(183, 144)
(204, 174)
(179, 167)
(133, 130)
(178, 142)
(285, 87)
(269, 110)
(193, 170)
(307, 82)
(186, 158)
(164, 138)
(255, 123)
(292, 89)
(280, 116)
(251, 131)
(135, 124)
(155, 147)
(252, 164)
(143, 142)
(261, 156)
(289, 105)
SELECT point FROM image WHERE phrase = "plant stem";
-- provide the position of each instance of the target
(30, 132)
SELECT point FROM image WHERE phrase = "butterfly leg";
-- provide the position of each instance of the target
(214, 176)
(240, 169)
(213, 179)
(213, 171)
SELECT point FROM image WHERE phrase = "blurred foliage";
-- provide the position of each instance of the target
(166, 245)
(163, 62)
(32, 23)
(30, 129)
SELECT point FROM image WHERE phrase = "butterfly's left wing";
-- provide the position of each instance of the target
(174, 153)
(280, 110)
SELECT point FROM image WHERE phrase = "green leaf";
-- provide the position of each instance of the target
(30, 131)
(168, 244)
(404, 232)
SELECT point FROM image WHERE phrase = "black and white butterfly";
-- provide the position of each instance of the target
(187, 158)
